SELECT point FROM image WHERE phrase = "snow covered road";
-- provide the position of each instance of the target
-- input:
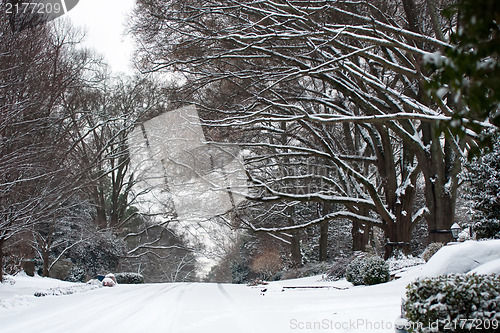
(301, 305)
(204, 307)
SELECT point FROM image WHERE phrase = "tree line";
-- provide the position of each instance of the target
(346, 105)
(65, 180)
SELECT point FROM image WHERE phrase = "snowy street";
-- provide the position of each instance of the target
(300, 305)
(203, 307)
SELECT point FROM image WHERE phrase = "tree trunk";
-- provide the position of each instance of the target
(323, 234)
(398, 237)
(411, 15)
(295, 248)
(441, 214)
(360, 235)
(442, 167)
(296, 254)
(399, 233)
(436, 25)
(101, 217)
(1, 260)
(323, 241)
(45, 257)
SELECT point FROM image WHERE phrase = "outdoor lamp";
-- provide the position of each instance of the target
(455, 230)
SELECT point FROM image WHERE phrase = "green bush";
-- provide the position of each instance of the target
(355, 271)
(487, 228)
(454, 303)
(367, 270)
(376, 271)
(129, 278)
(431, 250)
(240, 272)
(76, 274)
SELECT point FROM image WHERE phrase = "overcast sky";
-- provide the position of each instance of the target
(104, 21)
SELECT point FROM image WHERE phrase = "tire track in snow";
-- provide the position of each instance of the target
(246, 324)
(117, 306)
(177, 302)
(97, 315)
(49, 316)
(132, 317)
(157, 294)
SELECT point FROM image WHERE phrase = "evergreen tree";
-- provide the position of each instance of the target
(484, 192)
(470, 68)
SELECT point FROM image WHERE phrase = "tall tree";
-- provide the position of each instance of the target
(35, 73)
(318, 66)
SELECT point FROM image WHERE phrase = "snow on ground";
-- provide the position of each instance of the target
(203, 307)
(308, 304)
(20, 291)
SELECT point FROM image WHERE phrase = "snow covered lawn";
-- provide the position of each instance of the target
(200, 307)
(204, 307)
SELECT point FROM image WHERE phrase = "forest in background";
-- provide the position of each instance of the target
(357, 118)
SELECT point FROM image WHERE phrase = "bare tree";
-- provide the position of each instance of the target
(329, 68)
(35, 74)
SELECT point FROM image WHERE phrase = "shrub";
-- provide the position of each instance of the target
(367, 270)
(108, 282)
(311, 269)
(376, 271)
(338, 270)
(431, 250)
(401, 261)
(487, 228)
(455, 303)
(8, 280)
(129, 278)
(355, 271)
(267, 264)
(240, 272)
(76, 274)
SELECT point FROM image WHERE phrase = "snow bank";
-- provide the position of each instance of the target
(492, 267)
(22, 290)
(461, 257)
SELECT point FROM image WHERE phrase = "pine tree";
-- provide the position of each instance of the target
(484, 192)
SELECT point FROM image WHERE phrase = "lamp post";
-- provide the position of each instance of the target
(455, 230)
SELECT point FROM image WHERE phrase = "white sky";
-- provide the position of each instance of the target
(104, 21)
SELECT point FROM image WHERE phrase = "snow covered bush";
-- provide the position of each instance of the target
(355, 271)
(7, 279)
(240, 272)
(129, 278)
(487, 228)
(108, 282)
(100, 254)
(431, 250)
(454, 303)
(367, 270)
(460, 258)
(77, 274)
(338, 270)
(376, 271)
(399, 261)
